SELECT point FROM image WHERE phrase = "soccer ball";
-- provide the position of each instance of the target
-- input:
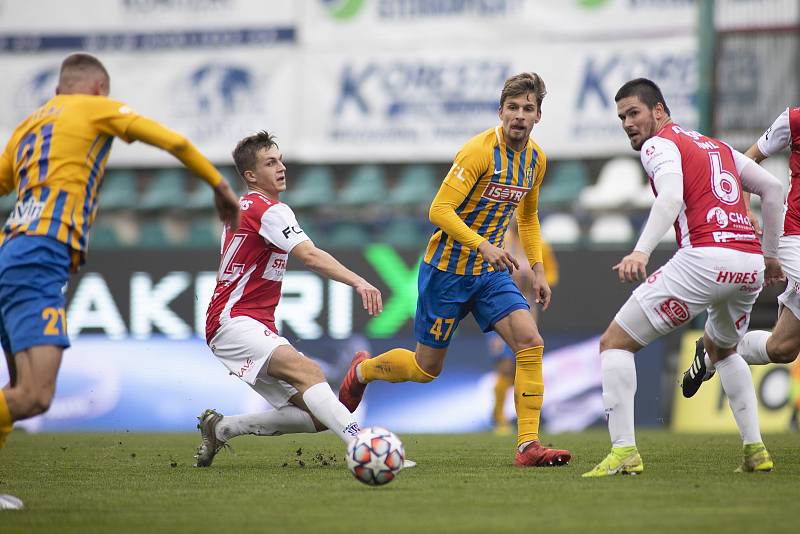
(375, 456)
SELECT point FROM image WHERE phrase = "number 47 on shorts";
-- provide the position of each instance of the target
(436, 329)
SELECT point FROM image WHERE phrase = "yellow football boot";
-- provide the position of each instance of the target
(756, 459)
(620, 461)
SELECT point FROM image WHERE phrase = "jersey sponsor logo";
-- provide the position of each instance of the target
(248, 364)
(727, 237)
(731, 277)
(504, 193)
(457, 171)
(276, 267)
(673, 311)
(291, 230)
(26, 212)
(245, 203)
(718, 215)
(650, 150)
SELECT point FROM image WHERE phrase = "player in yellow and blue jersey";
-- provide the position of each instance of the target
(54, 162)
(466, 269)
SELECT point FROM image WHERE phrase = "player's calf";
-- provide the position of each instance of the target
(784, 350)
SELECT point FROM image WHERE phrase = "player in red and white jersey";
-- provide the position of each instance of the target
(760, 347)
(698, 182)
(240, 323)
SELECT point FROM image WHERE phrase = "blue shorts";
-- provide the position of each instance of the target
(33, 279)
(446, 298)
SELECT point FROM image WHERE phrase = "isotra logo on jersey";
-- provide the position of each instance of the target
(504, 193)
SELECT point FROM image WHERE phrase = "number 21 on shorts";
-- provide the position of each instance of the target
(436, 329)
(54, 316)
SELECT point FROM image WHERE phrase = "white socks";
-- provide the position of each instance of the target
(287, 420)
(737, 382)
(325, 406)
(753, 347)
(619, 389)
(322, 403)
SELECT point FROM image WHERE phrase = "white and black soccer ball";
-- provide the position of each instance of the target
(375, 456)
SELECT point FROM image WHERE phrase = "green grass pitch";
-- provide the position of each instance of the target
(146, 483)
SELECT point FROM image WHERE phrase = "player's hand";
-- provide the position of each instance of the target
(541, 289)
(773, 273)
(227, 204)
(370, 297)
(633, 267)
(497, 257)
(754, 222)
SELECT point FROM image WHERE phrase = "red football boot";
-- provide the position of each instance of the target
(351, 391)
(534, 455)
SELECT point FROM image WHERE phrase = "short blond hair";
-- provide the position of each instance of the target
(79, 67)
(522, 84)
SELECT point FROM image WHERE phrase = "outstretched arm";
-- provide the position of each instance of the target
(323, 263)
(151, 132)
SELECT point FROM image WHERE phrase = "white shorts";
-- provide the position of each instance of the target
(244, 346)
(789, 255)
(725, 282)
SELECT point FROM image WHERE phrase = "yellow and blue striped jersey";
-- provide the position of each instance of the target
(55, 160)
(490, 180)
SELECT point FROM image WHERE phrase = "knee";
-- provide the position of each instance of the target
(616, 338)
(31, 403)
(607, 341)
(526, 340)
(41, 403)
(432, 369)
(783, 352)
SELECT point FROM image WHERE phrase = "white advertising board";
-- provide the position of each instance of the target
(424, 106)
(213, 97)
(491, 24)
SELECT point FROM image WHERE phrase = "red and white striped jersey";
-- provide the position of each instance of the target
(713, 213)
(253, 263)
(785, 132)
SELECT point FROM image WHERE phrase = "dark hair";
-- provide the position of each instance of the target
(244, 155)
(646, 90)
(76, 66)
(521, 84)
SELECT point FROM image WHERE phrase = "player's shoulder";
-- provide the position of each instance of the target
(255, 204)
(536, 147)
(485, 140)
(657, 148)
(97, 105)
